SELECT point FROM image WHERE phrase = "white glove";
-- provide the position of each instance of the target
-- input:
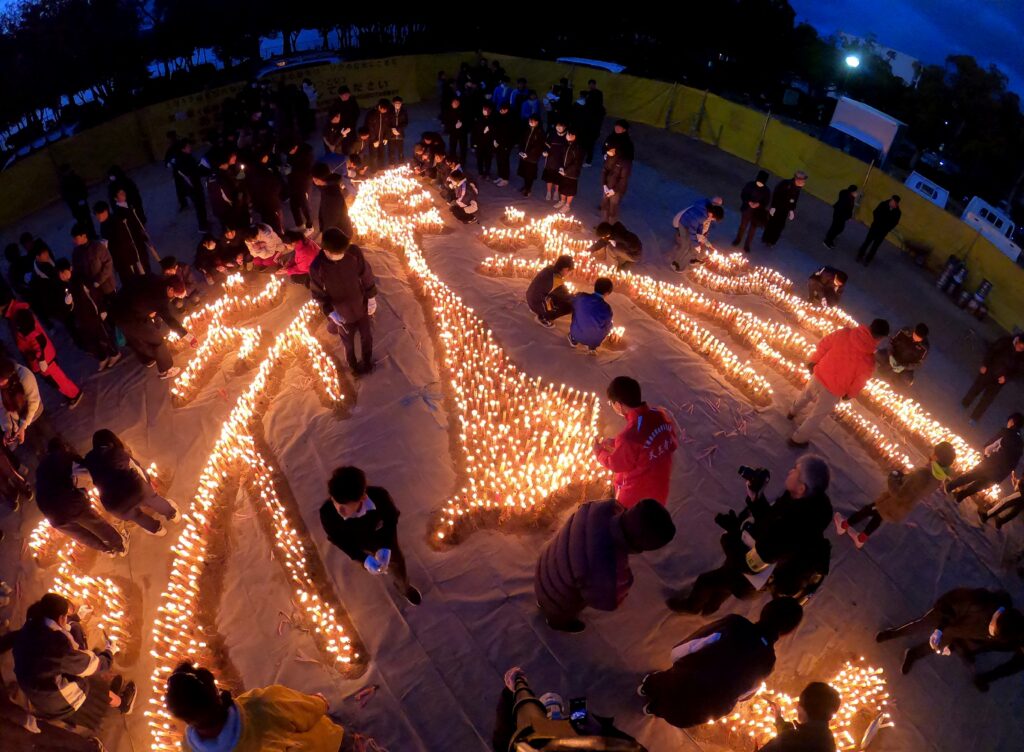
(371, 306)
(372, 565)
(609, 192)
(68, 300)
(771, 211)
(561, 171)
(495, 144)
(376, 144)
(394, 131)
(792, 215)
(384, 558)
(345, 131)
(487, 129)
(458, 123)
(935, 640)
(43, 366)
(522, 155)
(336, 319)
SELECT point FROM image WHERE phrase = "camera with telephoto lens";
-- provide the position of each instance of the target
(756, 477)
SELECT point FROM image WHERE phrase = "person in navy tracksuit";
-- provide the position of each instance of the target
(591, 316)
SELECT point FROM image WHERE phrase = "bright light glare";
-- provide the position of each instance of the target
(852, 60)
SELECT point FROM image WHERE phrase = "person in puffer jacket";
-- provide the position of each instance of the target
(587, 562)
(591, 317)
(840, 369)
(641, 455)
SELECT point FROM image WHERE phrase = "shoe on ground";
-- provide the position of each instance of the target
(798, 444)
(544, 322)
(885, 635)
(559, 204)
(680, 604)
(573, 626)
(104, 364)
(842, 526)
(572, 342)
(413, 596)
(859, 539)
(790, 416)
(563, 208)
(117, 684)
(73, 403)
(128, 695)
(676, 268)
(909, 659)
(640, 687)
(364, 369)
(176, 517)
(149, 363)
(160, 532)
(170, 373)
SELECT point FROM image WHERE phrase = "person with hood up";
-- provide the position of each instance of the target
(817, 705)
(754, 199)
(783, 207)
(902, 493)
(718, 665)
(1003, 361)
(591, 317)
(640, 456)
(842, 212)
(547, 296)
(341, 280)
(258, 720)
(884, 220)
(1002, 454)
(125, 488)
(333, 211)
(587, 562)
(840, 368)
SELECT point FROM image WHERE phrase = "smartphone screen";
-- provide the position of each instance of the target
(578, 709)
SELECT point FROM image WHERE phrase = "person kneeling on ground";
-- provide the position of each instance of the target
(718, 665)
(811, 733)
(641, 455)
(617, 245)
(692, 227)
(524, 721)
(362, 521)
(1006, 508)
(967, 621)
(840, 368)
(265, 246)
(778, 548)
(826, 286)
(61, 497)
(591, 317)
(903, 492)
(22, 417)
(268, 718)
(59, 675)
(1002, 455)
(547, 296)
(464, 198)
(178, 277)
(906, 352)
(304, 250)
(587, 562)
(126, 490)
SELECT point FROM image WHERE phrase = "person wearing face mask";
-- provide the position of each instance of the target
(341, 280)
(117, 180)
(811, 733)
(641, 455)
(966, 621)
(754, 200)
(362, 521)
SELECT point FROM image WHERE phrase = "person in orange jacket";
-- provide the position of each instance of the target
(40, 355)
(840, 368)
(641, 455)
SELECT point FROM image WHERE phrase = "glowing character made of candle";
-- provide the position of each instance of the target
(240, 457)
(521, 442)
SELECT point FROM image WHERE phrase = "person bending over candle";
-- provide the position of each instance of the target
(362, 521)
(591, 317)
(1002, 454)
(547, 296)
(811, 733)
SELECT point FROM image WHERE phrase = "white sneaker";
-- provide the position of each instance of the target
(842, 526)
(104, 364)
(170, 373)
(560, 204)
(160, 533)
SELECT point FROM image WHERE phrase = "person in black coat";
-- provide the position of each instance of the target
(842, 212)
(117, 179)
(75, 194)
(300, 182)
(587, 562)
(456, 127)
(532, 146)
(754, 200)
(616, 244)
(399, 125)
(783, 207)
(88, 327)
(62, 500)
(591, 115)
(816, 707)
(966, 621)
(906, 353)
(569, 171)
(140, 310)
(506, 133)
(362, 521)
(1003, 361)
(547, 296)
(1002, 455)
(188, 181)
(125, 488)
(127, 240)
(555, 145)
(884, 219)
(333, 211)
(347, 108)
(826, 286)
(341, 280)
(45, 291)
(718, 665)
(621, 141)
(483, 140)
(266, 189)
(228, 202)
(615, 176)
(790, 554)
(379, 121)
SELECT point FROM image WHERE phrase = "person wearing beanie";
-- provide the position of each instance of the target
(840, 368)
(811, 733)
(342, 282)
(842, 212)
(1002, 455)
(754, 200)
(884, 220)
(587, 562)
(641, 455)
(718, 665)
(783, 207)
(268, 718)
(904, 490)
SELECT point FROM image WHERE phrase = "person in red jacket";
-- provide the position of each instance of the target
(641, 455)
(840, 368)
(40, 355)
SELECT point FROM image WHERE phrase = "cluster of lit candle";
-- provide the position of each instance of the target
(738, 265)
(522, 440)
(177, 635)
(552, 233)
(235, 305)
(861, 688)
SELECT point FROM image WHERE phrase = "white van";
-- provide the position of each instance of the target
(924, 187)
(994, 224)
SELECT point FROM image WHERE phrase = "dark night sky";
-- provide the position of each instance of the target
(990, 30)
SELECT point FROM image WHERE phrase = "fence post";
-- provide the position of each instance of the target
(760, 144)
(695, 131)
(671, 105)
(863, 189)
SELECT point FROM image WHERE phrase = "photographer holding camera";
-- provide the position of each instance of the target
(780, 548)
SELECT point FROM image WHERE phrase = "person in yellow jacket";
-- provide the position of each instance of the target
(273, 718)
